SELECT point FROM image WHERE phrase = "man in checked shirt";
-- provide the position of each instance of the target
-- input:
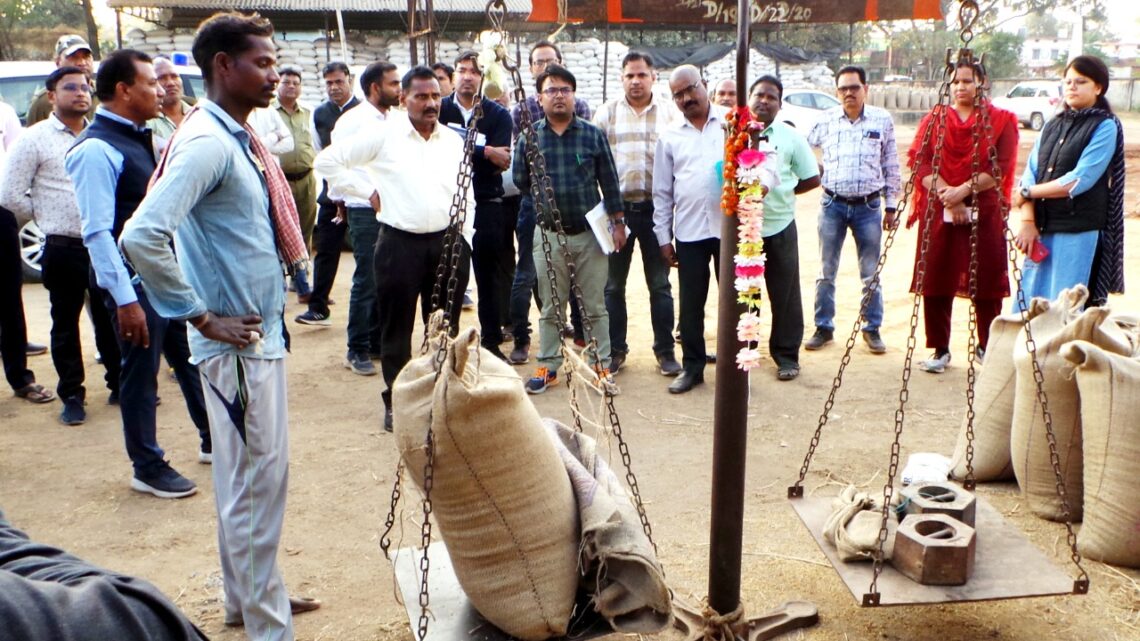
(860, 167)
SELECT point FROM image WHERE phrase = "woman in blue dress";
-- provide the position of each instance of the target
(1068, 215)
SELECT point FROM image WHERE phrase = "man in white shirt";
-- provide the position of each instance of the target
(632, 125)
(271, 130)
(410, 165)
(14, 347)
(686, 211)
(381, 84)
(36, 185)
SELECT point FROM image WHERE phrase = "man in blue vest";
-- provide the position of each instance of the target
(111, 166)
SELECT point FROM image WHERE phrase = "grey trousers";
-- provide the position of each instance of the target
(246, 399)
(592, 268)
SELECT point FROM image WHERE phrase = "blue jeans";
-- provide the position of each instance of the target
(639, 224)
(363, 317)
(525, 283)
(866, 224)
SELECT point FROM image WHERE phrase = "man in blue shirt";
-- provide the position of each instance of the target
(580, 165)
(110, 167)
(218, 199)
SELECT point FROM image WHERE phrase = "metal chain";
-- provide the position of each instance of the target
(1081, 585)
(982, 115)
(390, 520)
(937, 122)
(542, 190)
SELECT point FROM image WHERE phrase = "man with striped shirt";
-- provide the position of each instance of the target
(632, 124)
(860, 168)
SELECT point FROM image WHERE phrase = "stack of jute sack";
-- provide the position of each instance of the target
(1089, 361)
(528, 511)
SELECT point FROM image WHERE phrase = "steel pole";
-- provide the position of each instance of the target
(730, 404)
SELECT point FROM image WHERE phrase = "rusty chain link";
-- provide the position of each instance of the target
(542, 191)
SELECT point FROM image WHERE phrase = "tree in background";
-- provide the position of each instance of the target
(26, 26)
(1003, 53)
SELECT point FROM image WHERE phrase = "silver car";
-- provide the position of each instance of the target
(1034, 103)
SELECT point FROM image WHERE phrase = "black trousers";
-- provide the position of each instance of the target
(782, 279)
(406, 266)
(493, 256)
(695, 262)
(511, 212)
(328, 239)
(13, 331)
(66, 266)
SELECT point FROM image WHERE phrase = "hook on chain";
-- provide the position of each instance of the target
(968, 15)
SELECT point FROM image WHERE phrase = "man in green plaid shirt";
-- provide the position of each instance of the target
(579, 163)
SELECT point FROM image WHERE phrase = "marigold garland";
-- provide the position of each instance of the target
(743, 196)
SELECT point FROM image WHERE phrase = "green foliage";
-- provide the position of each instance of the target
(49, 13)
(1002, 51)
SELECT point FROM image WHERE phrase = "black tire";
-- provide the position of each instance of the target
(1036, 122)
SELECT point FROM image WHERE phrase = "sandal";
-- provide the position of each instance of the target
(35, 393)
(297, 605)
(788, 372)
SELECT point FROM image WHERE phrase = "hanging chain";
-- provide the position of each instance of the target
(1081, 584)
(542, 191)
(390, 520)
(981, 120)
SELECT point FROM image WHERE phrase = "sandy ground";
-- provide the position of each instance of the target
(69, 486)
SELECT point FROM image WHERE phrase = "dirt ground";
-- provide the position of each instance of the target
(69, 486)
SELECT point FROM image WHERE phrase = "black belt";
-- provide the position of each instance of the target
(388, 229)
(852, 200)
(64, 241)
(570, 230)
(639, 207)
(297, 176)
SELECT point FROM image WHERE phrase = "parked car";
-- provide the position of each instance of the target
(802, 108)
(1035, 103)
(19, 82)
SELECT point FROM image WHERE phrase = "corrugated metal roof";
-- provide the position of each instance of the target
(401, 6)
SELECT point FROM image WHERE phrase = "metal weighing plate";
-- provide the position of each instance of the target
(452, 616)
(1006, 564)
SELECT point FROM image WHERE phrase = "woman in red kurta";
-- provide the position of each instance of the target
(953, 202)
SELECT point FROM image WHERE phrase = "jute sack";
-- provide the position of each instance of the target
(1029, 447)
(993, 402)
(500, 492)
(854, 524)
(620, 569)
(1110, 413)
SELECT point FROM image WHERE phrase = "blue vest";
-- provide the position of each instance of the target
(139, 164)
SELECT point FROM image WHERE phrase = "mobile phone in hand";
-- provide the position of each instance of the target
(1039, 252)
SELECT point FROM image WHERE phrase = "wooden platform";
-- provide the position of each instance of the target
(453, 617)
(1006, 564)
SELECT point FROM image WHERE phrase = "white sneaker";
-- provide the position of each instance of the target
(205, 458)
(935, 364)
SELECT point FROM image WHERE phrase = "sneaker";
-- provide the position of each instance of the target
(520, 354)
(936, 364)
(468, 302)
(205, 456)
(35, 349)
(542, 379)
(820, 338)
(73, 412)
(359, 363)
(164, 482)
(313, 318)
(668, 365)
(874, 341)
(387, 419)
(617, 359)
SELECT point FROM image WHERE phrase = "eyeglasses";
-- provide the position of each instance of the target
(545, 61)
(71, 86)
(680, 95)
(557, 91)
(849, 89)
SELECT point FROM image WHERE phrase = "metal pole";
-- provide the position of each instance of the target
(606, 62)
(730, 404)
(412, 32)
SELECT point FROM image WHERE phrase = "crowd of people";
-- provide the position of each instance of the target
(184, 225)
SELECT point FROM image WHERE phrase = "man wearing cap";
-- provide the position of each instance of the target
(70, 51)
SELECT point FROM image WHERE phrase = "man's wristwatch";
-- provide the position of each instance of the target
(1025, 193)
(618, 222)
(891, 210)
